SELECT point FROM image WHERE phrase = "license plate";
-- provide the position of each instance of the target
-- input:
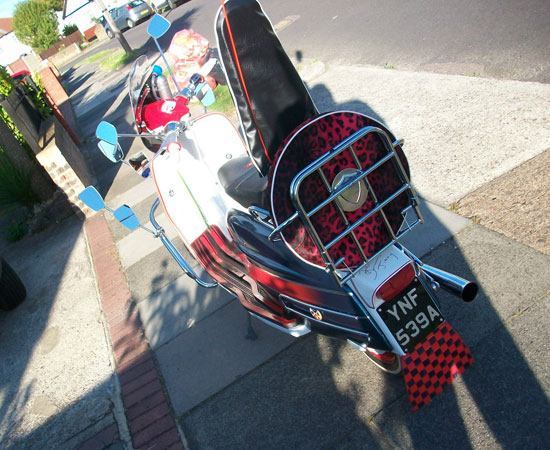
(145, 11)
(410, 316)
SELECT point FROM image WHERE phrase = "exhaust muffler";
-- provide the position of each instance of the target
(466, 290)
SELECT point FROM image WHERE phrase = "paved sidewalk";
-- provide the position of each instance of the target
(157, 362)
(460, 132)
(57, 382)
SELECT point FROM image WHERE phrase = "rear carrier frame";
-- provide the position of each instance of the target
(411, 214)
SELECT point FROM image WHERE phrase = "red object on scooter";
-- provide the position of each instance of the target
(435, 363)
(159, 113)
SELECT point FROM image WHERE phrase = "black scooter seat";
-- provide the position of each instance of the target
(242, 182)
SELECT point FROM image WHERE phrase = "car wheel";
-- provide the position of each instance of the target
(12, 289)
(109, 33)
(130, 23)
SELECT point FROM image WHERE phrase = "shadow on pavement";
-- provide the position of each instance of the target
(319, 393)
(46, 344)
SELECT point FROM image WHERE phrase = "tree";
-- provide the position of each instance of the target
(35, 24)
(56, 5)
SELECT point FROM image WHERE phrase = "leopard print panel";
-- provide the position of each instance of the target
(307, 143)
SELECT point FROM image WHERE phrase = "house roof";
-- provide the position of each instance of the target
(72, 6)
(5, 25)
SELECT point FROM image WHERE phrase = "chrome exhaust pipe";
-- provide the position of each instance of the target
(466, 290)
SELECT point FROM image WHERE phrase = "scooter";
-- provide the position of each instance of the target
(300, 215)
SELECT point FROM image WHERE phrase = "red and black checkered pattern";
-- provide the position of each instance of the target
(434, 363)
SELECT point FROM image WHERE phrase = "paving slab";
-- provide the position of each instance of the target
(320, 393)
(460, 132)
(177, 307)
(155, 271)
(57, 386)
(439, 225)
(310, 396)
(213, 353)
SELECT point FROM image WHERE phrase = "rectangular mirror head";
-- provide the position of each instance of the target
(92, 199)
(126, 216)
(158, 25)
(205, 94)
(107, 132)
(112, 152)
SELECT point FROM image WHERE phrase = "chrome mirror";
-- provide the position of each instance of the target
(112, 152)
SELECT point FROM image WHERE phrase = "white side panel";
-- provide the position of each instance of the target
(187, 179)
(177, 200)
(217, 140)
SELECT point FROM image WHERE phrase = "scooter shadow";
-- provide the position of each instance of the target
(320, 393)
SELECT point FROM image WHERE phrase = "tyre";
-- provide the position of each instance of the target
(130, 23)
(12, 289)
(109, 33)
(388, 362)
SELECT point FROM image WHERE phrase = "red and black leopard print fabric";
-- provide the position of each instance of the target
(305, 145)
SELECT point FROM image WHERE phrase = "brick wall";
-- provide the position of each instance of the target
(59, 101)
(65, 164)
(53, 86)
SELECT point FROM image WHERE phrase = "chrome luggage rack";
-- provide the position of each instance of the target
(338, 268)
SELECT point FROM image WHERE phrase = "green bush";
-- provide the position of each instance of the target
(69, 29)
(38, 96)
(15, 184)
(35, 24)
(6, 86)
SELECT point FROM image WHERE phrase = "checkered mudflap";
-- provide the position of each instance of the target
(434, 363)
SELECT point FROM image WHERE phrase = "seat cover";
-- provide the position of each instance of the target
(242, 182)
(270, 96)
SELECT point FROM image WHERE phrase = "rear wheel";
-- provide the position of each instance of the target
(110, 34)
(388, 362)
(12, 289)
(130, 23)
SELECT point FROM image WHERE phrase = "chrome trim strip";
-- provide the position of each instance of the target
(328, 311)
(297, 331)
(357, 346)
(330, 325)
(174, 251)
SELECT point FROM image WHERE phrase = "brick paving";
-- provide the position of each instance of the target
(147, 407)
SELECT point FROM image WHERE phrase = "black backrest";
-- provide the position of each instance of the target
(270, 96)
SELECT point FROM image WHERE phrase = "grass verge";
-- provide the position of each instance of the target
(224, 101)
(93, 58)
(118, 59)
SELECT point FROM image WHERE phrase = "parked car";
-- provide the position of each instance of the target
(160, 5)
(127, 16)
